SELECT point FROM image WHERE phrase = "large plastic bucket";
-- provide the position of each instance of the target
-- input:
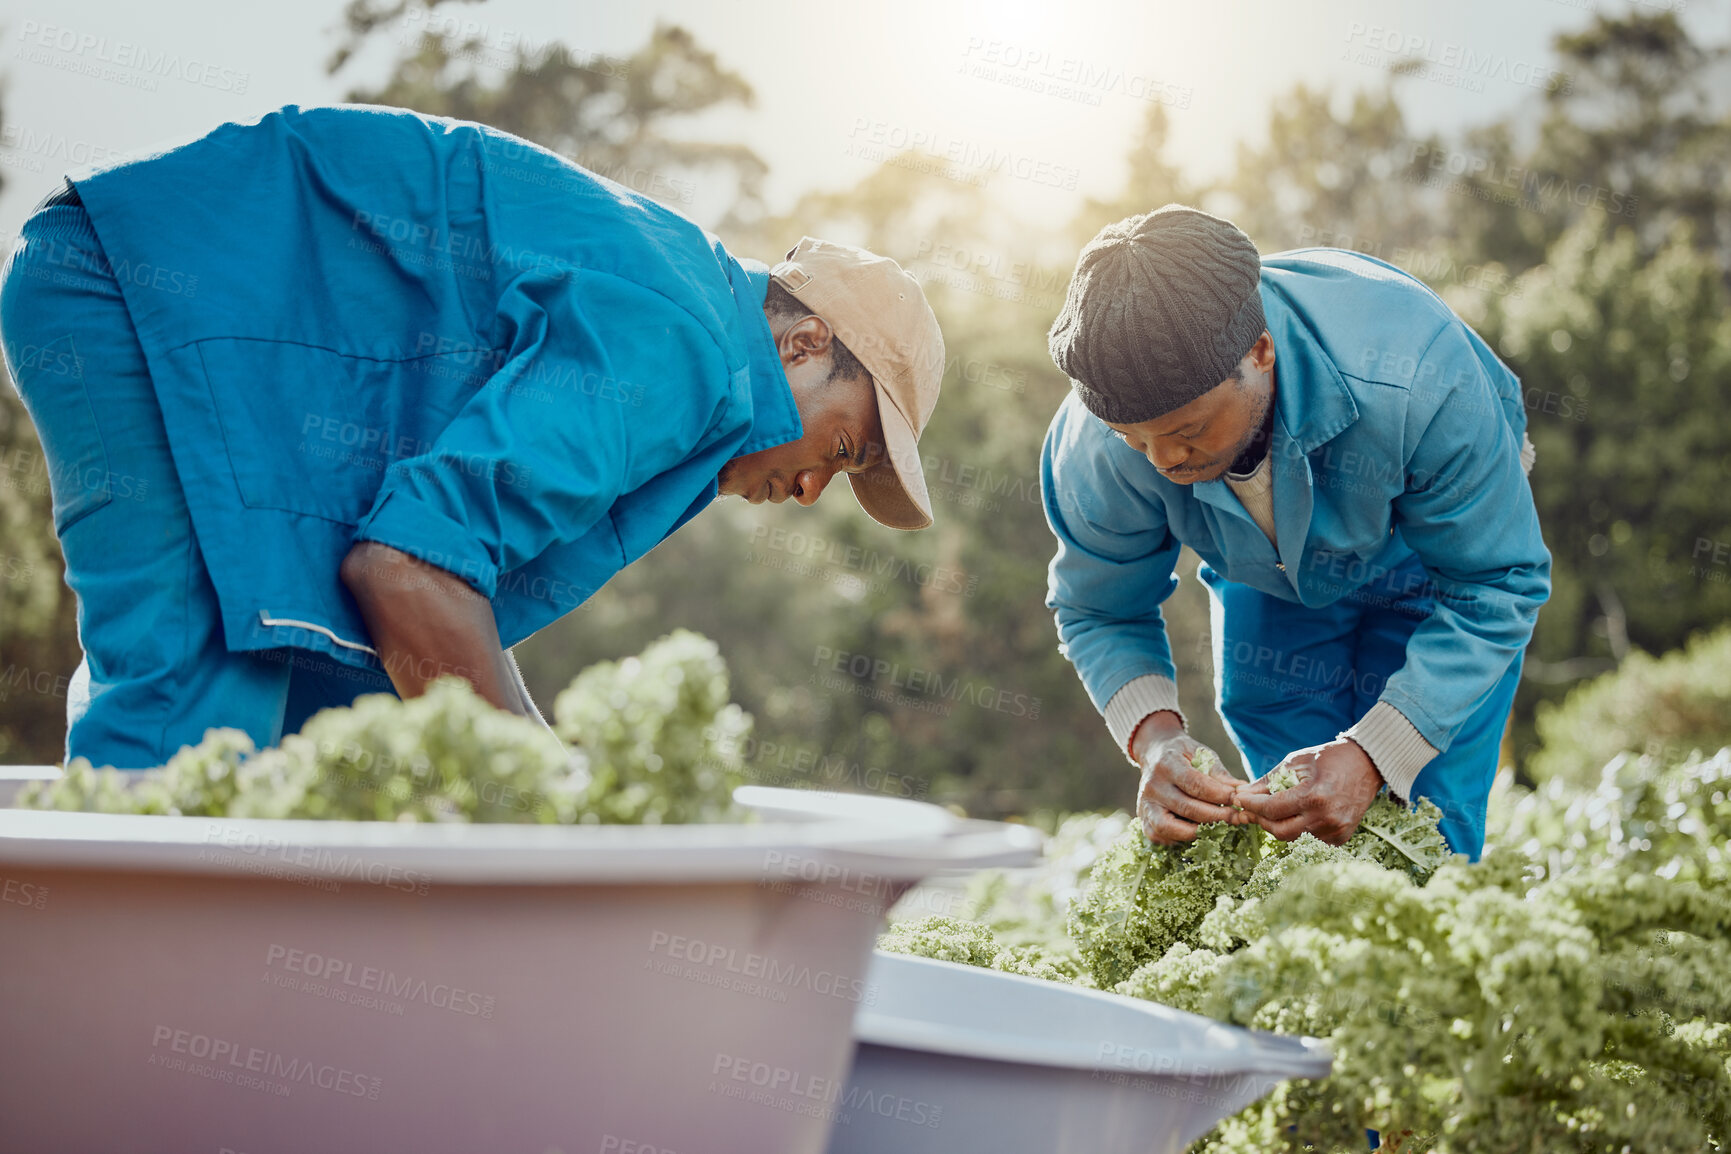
(957, 1058)
(185, 984)
(15, 777)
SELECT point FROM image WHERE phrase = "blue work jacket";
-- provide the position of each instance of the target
(1397, 432)
(367, 324)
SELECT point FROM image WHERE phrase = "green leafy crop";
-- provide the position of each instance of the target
(651, 740)
(944, 938)
(658, 733)
(1570, 992)
(1143, 898)
(972, 943)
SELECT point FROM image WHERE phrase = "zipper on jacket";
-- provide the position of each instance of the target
(265, 618)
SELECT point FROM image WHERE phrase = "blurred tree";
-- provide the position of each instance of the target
(1637, 131)
(1665, 707)
(362, 18)
(1347, 181)
(38, 615)
(1617, 216)
(609, 114)
(1633, 134)
(1490, 212)
(1152, 180)
(1626, 364)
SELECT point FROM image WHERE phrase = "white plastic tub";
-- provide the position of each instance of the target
(955, 1058)
(15, 777)
(184, 984)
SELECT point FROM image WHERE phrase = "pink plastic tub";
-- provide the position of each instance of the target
(183, 984)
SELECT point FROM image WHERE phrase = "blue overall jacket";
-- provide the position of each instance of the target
(366, 324)
(1397, 433)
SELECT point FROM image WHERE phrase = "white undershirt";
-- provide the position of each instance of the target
(1255, 490)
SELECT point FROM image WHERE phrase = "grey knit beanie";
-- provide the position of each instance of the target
(1161, 309)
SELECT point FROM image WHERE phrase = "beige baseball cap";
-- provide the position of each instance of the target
(880, 313)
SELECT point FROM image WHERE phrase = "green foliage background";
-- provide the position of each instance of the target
(1665, 708)
(1613, 313)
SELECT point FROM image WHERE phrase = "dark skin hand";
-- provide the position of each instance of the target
(1174, 796)
(1337, 781)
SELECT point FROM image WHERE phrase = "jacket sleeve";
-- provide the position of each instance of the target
(1115, 559)
(601, 384)
(1467, 511)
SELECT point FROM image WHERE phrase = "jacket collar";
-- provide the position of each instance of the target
(1311, 406)
(774, 416)
(1311, 399)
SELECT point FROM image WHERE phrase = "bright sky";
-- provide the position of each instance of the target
(1052, 88)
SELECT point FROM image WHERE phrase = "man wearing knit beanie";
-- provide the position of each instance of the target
(1349, 460)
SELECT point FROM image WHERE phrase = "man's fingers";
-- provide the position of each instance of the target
(1193, 809)
(1274, 806)
(1207, 787)
(1286, 830)
(1165, 828)
(1290, 828)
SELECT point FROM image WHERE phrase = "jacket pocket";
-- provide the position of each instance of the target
(311, 430)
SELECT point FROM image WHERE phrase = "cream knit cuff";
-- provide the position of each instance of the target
(1397, 749)
(1147, 694)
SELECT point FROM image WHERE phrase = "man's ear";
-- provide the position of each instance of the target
(809, 336)
(1262, 352)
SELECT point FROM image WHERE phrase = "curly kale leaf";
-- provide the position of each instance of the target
(1567, 993)
(1141, 898)
(655, 740)
(972, 943)
(1040, 962)
(944, 938)
(1584, 1013)
(1180, 978)
(1284, 858)
(1670, 820)
(1028, 906)
(1401, 838)
(200, 781)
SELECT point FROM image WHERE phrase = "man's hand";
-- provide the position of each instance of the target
(1336, 783)
(1174, 795)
